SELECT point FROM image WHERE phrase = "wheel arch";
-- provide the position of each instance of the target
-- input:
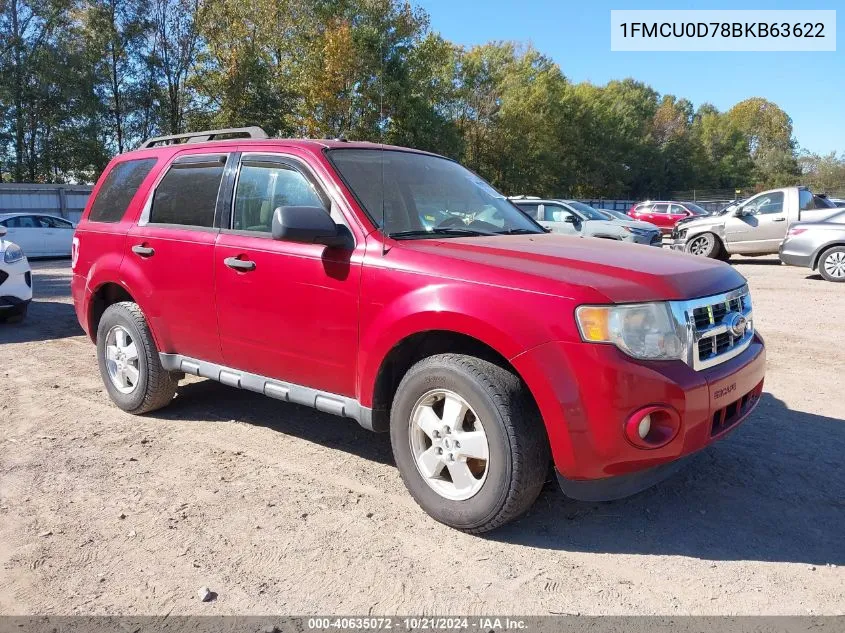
(821, 250)
(414, 347)
(106, 294)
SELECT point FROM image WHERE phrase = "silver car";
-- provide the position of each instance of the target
(571, 217)
(817, 245)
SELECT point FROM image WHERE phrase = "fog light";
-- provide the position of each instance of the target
(653, 426)
(644, 427)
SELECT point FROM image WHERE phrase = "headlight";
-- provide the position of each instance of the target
(647, 331)
(13, 254)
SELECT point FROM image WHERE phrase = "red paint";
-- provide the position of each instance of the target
(665, 221)
(326, 318)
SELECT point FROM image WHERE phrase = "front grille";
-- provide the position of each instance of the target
(3, 276)
(719, 327)
(726, 417)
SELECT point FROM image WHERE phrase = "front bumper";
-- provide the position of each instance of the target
(648, 239)
(15, 285)
(678, 245)
(586, 393)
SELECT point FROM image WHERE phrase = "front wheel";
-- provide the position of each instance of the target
(704, 245)
(832, 264)
(468, 442)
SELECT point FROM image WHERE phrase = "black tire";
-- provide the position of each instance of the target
(155, 387)
(518, 446)
(15, 315)
(704, 245)
(825, 266)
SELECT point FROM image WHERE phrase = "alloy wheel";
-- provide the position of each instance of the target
(122, 359)
(834, 264)
(449, 444)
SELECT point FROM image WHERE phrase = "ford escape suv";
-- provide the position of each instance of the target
(399, 289)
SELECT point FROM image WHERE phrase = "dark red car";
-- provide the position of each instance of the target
(665, 214)
(397, 288)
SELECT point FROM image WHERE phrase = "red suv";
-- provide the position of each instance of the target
(399, 289)
(665, 214)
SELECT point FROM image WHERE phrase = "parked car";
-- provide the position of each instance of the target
(755, 227)
(619, 216)
(301, 270)
(39, 235)
(571, 217)
(817, 245)
(15, 280)
(665, 214)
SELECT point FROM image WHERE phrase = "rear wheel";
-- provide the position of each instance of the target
(129, 362)
(705, 245)
(468, 442)
(832, 264)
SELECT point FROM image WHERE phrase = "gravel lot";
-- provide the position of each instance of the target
(283, 510)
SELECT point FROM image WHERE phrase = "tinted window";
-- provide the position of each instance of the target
(118, 189)
(823, 203)
(805, 200)
(187, 194)
(22, 222)
(586, 210)
(660, 208)
(51, 222)
(263, 188)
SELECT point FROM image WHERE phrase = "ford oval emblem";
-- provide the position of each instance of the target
(736, 324)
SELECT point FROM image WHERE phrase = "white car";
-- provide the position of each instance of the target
(15, 280)
(39, 234)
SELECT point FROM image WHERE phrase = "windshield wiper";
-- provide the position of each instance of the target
(456, 231)
(518, 232)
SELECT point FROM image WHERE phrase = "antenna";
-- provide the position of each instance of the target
(384, 230)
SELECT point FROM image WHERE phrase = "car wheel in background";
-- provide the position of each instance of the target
(129, 362)
(15, 315)
(704, 245)
(468, 441)
(832, 264)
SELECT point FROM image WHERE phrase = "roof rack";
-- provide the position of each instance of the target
(207, 135)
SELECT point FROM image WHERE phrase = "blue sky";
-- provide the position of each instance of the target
(810, 87)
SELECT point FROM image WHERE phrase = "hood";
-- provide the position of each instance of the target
(700, 220)
(558, 264)
(634, 224)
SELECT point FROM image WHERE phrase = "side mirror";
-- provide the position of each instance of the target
(2, 230)
(308, 225)
(570, 219)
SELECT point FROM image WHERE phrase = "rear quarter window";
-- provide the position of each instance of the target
(118, 189)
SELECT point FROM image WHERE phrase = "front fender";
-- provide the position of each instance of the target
(505, 319)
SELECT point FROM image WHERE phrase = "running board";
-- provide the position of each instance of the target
(286, 391)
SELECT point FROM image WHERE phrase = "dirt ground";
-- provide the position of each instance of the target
(283, 510)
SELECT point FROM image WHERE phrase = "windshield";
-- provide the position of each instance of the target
(418, 195)
(615, 214)
(695, 209)
(586, 210)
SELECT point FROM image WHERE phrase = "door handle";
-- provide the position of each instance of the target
(143, 251)
(778, 219)
(243, 265)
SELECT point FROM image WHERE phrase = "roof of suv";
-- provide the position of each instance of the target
(313, 144)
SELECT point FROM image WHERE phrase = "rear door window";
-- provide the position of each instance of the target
(187, 195)
(660, 208)
(118, 189)
(532, 210)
